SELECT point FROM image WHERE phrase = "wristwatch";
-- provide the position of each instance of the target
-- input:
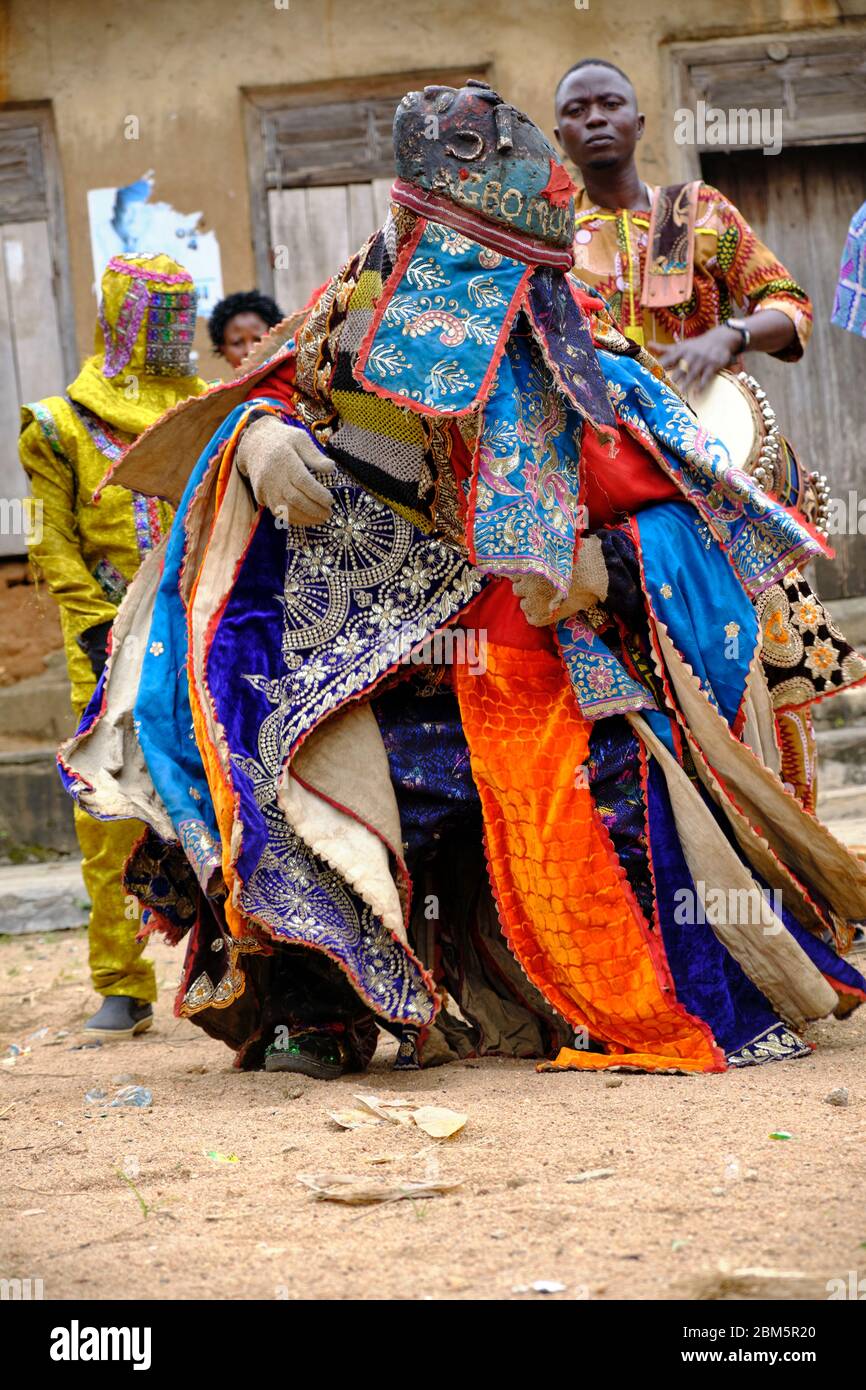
(739, 326)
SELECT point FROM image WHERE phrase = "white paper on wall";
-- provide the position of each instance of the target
(125, 220)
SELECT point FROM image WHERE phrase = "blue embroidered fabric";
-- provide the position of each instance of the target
(601, 684)
(317, 616)
(528, 484)
(163, 716)
(613, 768)
(568, 347)
(693, 590)
(451, 304)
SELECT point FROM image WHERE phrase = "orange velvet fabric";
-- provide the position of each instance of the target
(563, 898)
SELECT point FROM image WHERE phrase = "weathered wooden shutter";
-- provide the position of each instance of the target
(800, 203)
(321, 166)
(817, 81)
(32, 331)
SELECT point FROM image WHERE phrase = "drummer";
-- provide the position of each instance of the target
(679, 266)
(686, 278)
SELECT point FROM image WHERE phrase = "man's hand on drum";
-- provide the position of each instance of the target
(692, 363)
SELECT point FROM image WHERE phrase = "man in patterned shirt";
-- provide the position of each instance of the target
(687, 278)
(681, 269)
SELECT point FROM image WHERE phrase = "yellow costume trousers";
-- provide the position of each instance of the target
(117, 964)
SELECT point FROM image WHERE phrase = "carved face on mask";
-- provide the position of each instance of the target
(468, 145)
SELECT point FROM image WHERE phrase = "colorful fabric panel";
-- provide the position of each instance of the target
(441, 322)
(763, 541)
(849, 307)
(692, 589)
(525, 491)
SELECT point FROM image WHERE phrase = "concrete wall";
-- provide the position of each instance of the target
(179, 66)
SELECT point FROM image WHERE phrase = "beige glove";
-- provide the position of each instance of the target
(279, 461)
(539, 600)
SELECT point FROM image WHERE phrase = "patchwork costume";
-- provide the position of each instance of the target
(88, 554)
(460, 735)
(849, 304)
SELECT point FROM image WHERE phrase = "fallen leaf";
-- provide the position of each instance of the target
(591, 1174)
(439, 1122)
(357, 1191)
(396, 1111)
(353, 1119)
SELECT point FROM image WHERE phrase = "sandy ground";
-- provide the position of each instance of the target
(699, 1190)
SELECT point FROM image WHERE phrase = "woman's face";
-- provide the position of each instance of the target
(241, 334)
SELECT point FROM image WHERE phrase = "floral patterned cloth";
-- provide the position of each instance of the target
(805, 656)
(734, 272)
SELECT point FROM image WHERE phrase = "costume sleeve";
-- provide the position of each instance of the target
(749, 272)
(55, 549)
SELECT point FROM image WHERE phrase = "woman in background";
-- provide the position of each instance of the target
(239, 321)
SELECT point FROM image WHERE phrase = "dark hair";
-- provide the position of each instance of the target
(243, 302)
(592, 63)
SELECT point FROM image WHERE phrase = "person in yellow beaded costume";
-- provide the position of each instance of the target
(88, 552)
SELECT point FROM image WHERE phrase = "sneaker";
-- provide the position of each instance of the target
(119, 1018)
(321, 1055)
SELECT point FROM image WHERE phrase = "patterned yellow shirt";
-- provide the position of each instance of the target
(86, 554)
(734, 273)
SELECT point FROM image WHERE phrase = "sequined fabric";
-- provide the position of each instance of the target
(614, 772)
(429, 762)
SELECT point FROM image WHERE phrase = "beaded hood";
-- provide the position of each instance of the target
(143, 339)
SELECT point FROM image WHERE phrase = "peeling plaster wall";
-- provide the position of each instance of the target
(179, 66)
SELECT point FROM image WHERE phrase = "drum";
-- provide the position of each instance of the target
(733, 411)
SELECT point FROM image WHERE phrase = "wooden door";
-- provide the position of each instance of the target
(36, 337)
(321, 163)
(800, 202)
(314, 231)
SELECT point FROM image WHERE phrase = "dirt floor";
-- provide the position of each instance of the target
(104, 1201)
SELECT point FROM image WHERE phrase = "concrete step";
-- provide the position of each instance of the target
(37, 711)
(35, 813)
(845, 708)
(849, 615)
(851, 832)
(44, 897)
(845, 746)
(840, 803)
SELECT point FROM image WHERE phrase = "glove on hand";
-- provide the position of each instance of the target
(538, 598)
(94, 643)
(279, 460)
